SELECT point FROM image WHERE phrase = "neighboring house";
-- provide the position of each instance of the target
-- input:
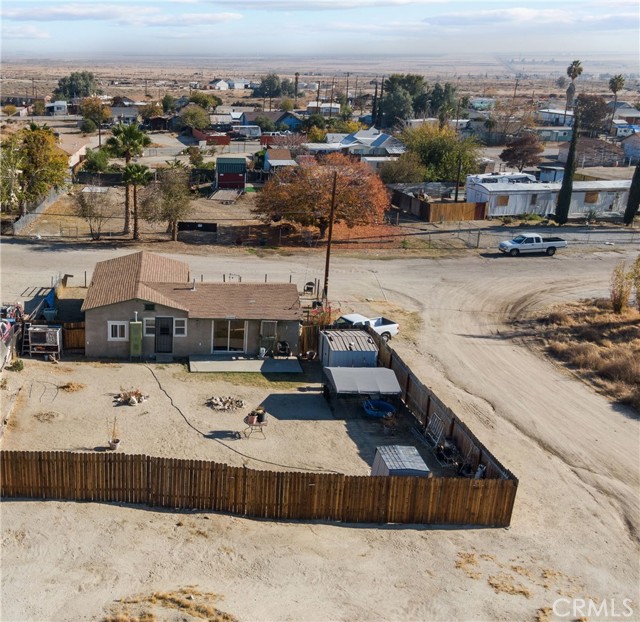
(278, 117)
(218, 85)
(552, 134)
(127, 115)
(593, 152)
(57, 108)
(231, 172)
(631, 148)
(371, 142)
(275, 159)
(324, 110)
(555, 116)
(513, 199)
(145, 305)
(238, 83)
(625, 129)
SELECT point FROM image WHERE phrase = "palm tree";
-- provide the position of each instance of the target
(615, 84)
(136, 175)
(573, 71)
(128, 141)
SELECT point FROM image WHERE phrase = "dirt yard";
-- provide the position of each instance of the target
(302, 433)
(574, 532)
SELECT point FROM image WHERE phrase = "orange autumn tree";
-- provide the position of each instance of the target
(303, 194)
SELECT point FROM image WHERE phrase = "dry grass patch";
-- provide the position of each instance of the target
(545, 614)
(47, 416)
(72, 387)
(601, 346)
(467, 561)
(503, 582)
(189, 602)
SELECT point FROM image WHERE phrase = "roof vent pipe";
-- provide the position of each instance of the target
(193, 287)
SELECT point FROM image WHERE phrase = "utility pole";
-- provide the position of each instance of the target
(325, 290)
(459, 153)
(333, 80)
(346, 95)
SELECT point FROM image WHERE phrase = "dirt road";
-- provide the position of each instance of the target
(574, 528)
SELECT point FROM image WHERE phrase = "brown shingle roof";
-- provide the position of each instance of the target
(243, 301)
(278, 154)
(133, 277)
(155, 278)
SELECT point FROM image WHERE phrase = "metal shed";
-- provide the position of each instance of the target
(347, 348)
(362, 381)
(399, 460)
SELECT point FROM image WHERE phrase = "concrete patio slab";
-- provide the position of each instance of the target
(244, 364)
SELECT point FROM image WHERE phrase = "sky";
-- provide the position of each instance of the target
(59, 29)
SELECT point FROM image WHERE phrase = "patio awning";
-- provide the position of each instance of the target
(362, 380)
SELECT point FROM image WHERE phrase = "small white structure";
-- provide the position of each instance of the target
(555, 116)
(505, 199)
(57, 108)
(325, 110)
(347, 348)
(218, 85)
(399, 460)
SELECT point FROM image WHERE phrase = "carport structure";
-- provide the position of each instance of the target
(351, 381)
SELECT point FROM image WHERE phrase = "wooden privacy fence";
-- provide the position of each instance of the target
(425, 407)
(197, 484)
(73, 335)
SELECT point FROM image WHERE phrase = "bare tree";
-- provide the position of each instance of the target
(94, 204)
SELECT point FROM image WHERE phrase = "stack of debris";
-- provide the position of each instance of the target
(131, 397)
(225, 403)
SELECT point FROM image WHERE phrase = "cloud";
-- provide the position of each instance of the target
(320, 5)
(23, 32)
(124, 15)
(532, 19)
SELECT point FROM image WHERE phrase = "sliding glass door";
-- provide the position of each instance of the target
(228, 336)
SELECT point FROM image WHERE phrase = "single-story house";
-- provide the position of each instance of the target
(512, 199)
(552, 134)
(218, 85)
(238, 83)
(555, 116)
(275, 159)
(57, 108)
(127, 115)
(231, 172)
(279, 118)
(324, 110)
(145, 305)
(371, 142)
(593, 152)
(631, 148)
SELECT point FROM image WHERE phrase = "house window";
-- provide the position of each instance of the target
(117, 331)
(534, 199)
(268, 329)
(149, 306)
(503, 200)
(591, 197)
(149, 324)
(180, 327)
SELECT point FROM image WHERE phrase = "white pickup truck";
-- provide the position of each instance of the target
(384, 327)
(531, 243)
